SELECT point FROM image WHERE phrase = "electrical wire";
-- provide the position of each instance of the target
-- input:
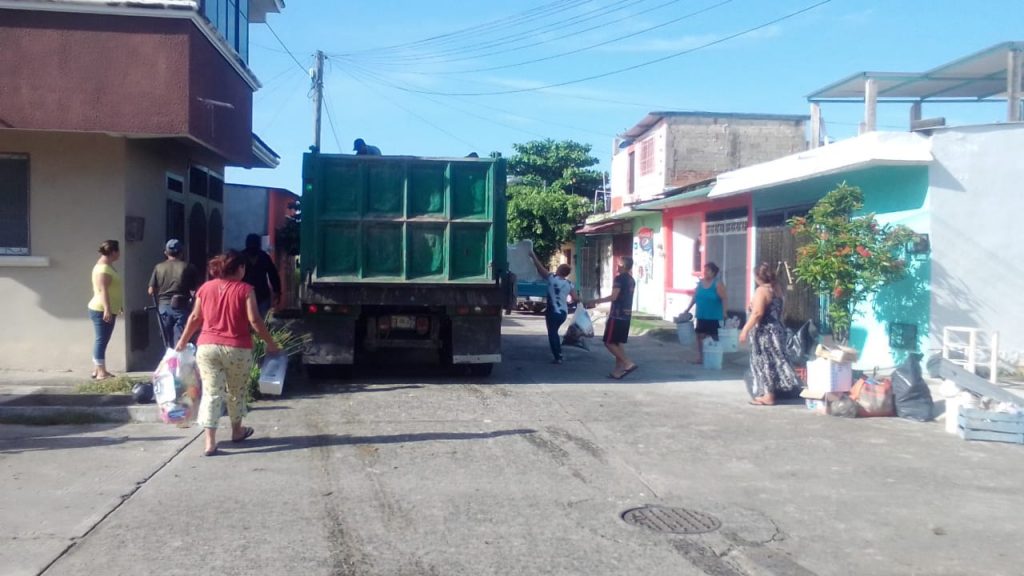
(372, 76)
(289, 52)
(476, 30)
(330, 119)
(599, 44)
(627, 68)
(408, 111)
(465, 52)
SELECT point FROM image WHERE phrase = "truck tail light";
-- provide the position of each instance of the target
(312, 309)
(384, 323)
(422, 325)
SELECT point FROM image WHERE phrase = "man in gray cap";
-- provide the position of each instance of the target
(172, 285)
(364, 149)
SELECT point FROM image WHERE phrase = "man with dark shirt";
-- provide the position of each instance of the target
(616, 330)
(363, 149)
(261, 273)
(172, 284)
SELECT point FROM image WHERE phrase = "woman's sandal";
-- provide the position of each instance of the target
(212, 452)
(246, 432)
(759, 401)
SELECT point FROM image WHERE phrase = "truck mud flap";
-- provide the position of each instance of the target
(333, 340)
(476, 339)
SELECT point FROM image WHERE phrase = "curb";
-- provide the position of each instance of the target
(51, 415)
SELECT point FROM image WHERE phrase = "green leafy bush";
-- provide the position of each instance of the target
(845, 257)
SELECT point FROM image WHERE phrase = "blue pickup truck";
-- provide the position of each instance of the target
(531, 296)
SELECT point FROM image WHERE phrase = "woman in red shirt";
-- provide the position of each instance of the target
(225, 309)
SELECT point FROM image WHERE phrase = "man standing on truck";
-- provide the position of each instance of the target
(261, 273)
(616, 331)
(559, 290)
(363, 149)
(172, 284)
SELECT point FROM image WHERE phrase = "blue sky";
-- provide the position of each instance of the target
(382, 54)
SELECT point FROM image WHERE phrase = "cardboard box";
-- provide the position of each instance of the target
(820, 403)
(836, 353)
(828, 376)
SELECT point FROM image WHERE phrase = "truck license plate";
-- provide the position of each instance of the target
(403, 322)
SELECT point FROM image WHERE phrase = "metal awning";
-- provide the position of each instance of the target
(979, 76)
(689, 197)
(613, 227)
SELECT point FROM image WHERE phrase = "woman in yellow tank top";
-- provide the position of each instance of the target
(106, 304)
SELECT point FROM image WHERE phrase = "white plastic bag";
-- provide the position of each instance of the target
(176, 385)
(582, 319)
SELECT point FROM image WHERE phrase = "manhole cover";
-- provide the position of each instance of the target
(671, 520)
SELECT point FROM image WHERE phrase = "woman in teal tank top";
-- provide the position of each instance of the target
(709, 297)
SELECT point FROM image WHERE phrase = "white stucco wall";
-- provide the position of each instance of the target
(975, 190)
(76, 201)
(145, 196)
(645, 186)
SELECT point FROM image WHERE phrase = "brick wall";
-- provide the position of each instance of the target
(700, 147)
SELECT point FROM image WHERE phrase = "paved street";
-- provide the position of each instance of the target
(410, 472)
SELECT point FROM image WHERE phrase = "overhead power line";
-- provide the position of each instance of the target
(627, 68)
(408, 111)
(466, 52)
(330, 120)
(479, 29)
(289, 52)
(584, 48)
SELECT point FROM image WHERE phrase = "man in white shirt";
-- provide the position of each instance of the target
(559, 290)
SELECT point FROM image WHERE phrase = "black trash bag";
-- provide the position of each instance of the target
(843, 407)
(800, 344)
(912, 397)
(142, 393)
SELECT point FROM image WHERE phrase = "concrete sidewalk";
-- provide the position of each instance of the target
(57, 483)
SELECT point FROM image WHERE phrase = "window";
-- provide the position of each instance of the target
(647, 157)
(13, 205)
(231, 19)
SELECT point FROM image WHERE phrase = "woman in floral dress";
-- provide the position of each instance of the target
(769, 366)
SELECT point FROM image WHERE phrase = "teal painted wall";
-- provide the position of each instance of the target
(897, 195)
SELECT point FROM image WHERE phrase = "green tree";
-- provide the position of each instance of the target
(847, 257)
(564, 166)
(547, 217)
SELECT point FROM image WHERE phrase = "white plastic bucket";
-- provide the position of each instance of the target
(729, 339)
(713, 354)
(686, 334)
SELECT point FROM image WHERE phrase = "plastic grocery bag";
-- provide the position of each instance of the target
(873, 397)
(176, 386)
(582, 319)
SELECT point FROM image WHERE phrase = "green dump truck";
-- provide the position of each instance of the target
(402, 252)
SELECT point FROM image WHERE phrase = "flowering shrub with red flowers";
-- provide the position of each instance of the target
(847, 257)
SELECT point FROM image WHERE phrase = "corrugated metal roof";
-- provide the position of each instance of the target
(979, 76)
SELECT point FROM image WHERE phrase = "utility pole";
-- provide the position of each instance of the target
(318, 97)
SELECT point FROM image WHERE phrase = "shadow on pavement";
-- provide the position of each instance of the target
(40, 443)
(283, 443)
